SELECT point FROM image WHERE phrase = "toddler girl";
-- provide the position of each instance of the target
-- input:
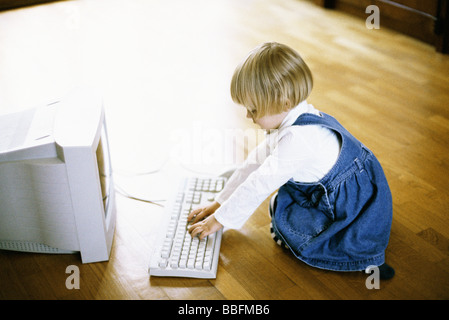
(333, 208)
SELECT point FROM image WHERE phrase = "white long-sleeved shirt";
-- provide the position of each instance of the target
(303, 153)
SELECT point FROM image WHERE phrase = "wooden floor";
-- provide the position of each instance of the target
(164, 69)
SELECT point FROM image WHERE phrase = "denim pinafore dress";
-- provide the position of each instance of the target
(343, 221)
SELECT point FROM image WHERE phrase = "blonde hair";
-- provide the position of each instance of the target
(272, 79)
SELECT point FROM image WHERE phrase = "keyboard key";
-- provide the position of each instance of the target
(163, 263)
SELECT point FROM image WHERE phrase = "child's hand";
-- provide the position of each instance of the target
(205, 227)
(201, 213)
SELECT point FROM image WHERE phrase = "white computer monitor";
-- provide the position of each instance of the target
(56, 186)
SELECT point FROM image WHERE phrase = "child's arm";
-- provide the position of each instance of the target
(254, 160)
(204, 221)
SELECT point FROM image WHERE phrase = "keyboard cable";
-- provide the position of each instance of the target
(125, 194)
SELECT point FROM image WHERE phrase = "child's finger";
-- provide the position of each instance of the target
(200, 232)
(200, 216)
(193, 213)
(192, 227)
(202, 213)
(194, 230)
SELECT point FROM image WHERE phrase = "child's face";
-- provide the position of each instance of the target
(266, 122)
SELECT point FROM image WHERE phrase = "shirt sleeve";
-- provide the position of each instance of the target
(255, 158)
(257, 183)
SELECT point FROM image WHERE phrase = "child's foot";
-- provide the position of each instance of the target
(276, 238)
(386, 272)
(271, 209)
(272, 205)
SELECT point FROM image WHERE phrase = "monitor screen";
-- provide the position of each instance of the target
(104, 167)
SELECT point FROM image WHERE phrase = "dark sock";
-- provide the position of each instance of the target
(386, 272)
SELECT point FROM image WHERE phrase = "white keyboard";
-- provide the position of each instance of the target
(176, 253)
